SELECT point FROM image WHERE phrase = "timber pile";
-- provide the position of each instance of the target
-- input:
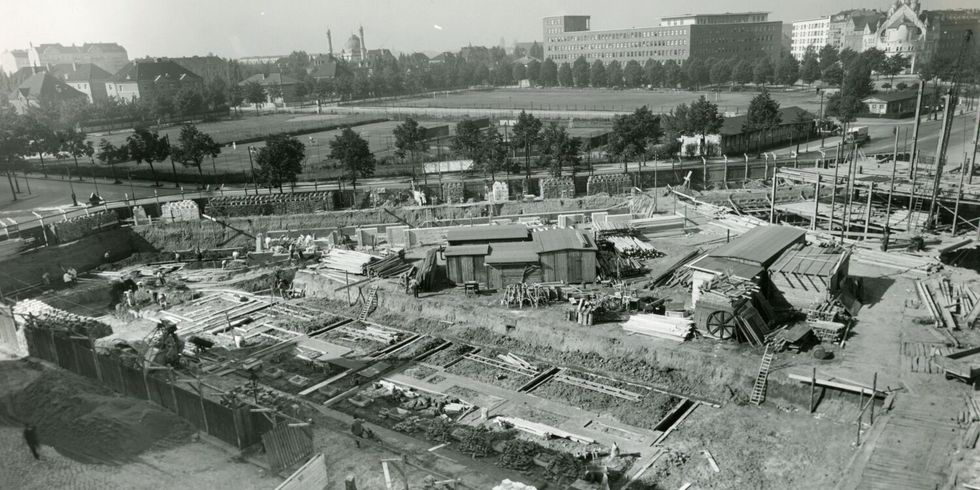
(350, 261)
(895, 260)
(656, 224)
(660, 326)
(390, 266)
(630, 246)
(676, 274)
(614, 265)
(426, 274)
(520, 294)
(371, 333)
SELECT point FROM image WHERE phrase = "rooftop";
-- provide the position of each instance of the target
(892, 96)
(457, 250)
(272, 79)
(147, 70)
(490, 232)
(44, 86)
(760, 245)
(808, 260)
(562, 239)
(80, 72)
(718, 265)
(788, 115)
(513, 253)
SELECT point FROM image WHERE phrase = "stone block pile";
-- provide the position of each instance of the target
(453, 192)
(265, 205)
(82, 226)
(557, 187)
(608, 184)
(185, 210)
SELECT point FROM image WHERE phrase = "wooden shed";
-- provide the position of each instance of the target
(466, 263)
(806, 274)
(566, 255)
(512, 263)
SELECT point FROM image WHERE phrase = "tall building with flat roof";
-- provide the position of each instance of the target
(676, 38)
(807, 34)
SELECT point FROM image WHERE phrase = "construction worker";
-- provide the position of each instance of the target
(414, 286)
(105, 257)
(46, 278)
(30, 436)
(357, 428)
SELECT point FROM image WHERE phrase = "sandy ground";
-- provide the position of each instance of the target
(192, 465)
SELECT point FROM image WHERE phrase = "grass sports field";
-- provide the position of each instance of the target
(590, 99)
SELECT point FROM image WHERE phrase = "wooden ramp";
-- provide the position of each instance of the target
(914, 448)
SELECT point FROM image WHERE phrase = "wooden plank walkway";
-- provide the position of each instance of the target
(913, 450)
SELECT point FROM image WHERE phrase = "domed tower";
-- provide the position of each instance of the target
(353, 48)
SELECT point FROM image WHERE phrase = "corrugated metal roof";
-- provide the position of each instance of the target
(760, 245)
(513, 253)
(808, 260)
(718, 265)
(562, 239)
(457, 250)
(489, 232)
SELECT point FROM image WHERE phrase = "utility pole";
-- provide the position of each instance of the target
(915, 130)
(940, 155)
(891, 184)
(976, 142)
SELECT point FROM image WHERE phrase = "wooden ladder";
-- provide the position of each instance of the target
(759, 389)
(369, 302)
(914, 213)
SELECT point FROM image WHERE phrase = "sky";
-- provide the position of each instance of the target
(237, 28)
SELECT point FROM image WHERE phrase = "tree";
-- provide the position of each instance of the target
(481, 75)
(721, 72)
(548, 73)
(833, 75)
(536, 51)
(14, 141)
(280, 160)
(846, 57)
(763, 113)
(632, 134)
(828, 57)
(844, 106)
(614, 74)
(597, 74)
(580, 72)
(633, 74)
(893, 66)
(146, 145)
(857, 79)
(192, 147)
(534, 72)
(110, 155)
(788, 70)
(188, 101)
(42, 139)
(565, 75)
(874, 58)
(703, 119)
(559, 150)
(353, 152)
(254, 93)
(762, 71)
(697, 73)
(75, 143)
(410, 139)
(742, 72)
(810, 68)
(653, 74)
(671, 74)
(526, 133)
(518, 72)
(469, 142)
(492, 153)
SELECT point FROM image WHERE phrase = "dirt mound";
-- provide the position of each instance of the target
(85, 421)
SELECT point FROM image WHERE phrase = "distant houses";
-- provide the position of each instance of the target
(41, 88)
(149, 78)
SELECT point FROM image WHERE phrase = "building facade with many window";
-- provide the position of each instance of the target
(807, 34)
(566, 38)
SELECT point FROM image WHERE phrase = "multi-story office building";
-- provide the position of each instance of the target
(676, 38)
(809, 33)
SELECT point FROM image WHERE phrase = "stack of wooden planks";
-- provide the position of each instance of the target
(614, 265)
(347, 260)
(631, 246)
(660, 326)
(426, 274)
(895, 260)
(658, 223)
(390, 266)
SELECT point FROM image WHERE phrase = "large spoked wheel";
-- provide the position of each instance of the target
(721, 324)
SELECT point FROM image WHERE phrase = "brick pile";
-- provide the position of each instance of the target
(185, 210)
(298, 203)
(609, 184)
(82, 226)
(557, 187)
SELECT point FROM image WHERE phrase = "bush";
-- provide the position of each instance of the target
(902, 86)
(690, 149)
(712, 149)
(886, 85)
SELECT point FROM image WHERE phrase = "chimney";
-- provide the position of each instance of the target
(329, 43)
(363, 44)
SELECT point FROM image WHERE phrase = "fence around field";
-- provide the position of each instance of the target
(188, 398)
